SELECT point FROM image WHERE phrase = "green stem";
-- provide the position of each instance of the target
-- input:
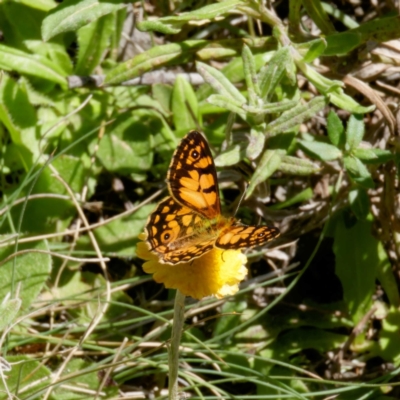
(173, 353)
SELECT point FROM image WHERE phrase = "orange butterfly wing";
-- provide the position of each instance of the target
(192, 178)
(239, 236)
(177, 234)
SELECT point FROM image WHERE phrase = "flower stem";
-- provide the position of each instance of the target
(173, 353)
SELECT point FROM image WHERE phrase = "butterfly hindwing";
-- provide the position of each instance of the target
(175, 233)
(236, 237)
(192, 178)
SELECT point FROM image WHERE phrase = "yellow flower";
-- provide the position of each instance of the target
(217, 273)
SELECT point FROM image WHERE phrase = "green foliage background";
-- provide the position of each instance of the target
(87, 131)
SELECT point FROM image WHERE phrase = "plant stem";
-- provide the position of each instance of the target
(173, 353)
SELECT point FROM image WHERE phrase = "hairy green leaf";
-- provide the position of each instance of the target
(93, 40)
(73, 14)
(269, 163)
(336, 131)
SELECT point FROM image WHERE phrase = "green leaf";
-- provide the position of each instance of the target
(36, 376)
(49, 213)
(8, 311)
(319, 16)
(121, 235)
(249, 68)
(320, 151)
(342, 43)
(356, 266)
(173, 25)
(230, 317)
(269, 163)
(358, 172)
(184, 105)
(256, 143)
(373, 156)
(54, 52)
(43, 5)
(23, 23)
(271, 108)
(37, 66)
(232, 155)
(297, 166)
(93, 40)
(220, 82)
(271, 74)
(304, 195)
(359, 203)
(335, 130)
(355, 131)
(30, 270)
(333, 89)
(315, 49)
(296, 116)
(341, 16)
(387, 278)
(163, 94)
(19, 117)
(389, 340)
(73, 14)
(378, 29)
(156, 57)
(227, 103)
(347, 103)
(123, 152)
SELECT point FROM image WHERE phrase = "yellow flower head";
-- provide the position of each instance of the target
(217, 272)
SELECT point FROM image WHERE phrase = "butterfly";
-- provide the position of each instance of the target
(189, 223)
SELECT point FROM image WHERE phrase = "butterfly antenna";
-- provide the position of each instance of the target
(241, 198)
(193, 115)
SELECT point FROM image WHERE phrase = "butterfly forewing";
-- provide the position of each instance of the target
(192, 178)
(236, 237)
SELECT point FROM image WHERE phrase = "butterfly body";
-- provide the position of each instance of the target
(189, 223)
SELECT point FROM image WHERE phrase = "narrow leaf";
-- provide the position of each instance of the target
(359, 203)
(335, 130)
(73, 14)
(226, 102)
(320, 150)
(358, 172)
(316, 49)
(297, 166)
(256, 143)
(296, 116)
(269, 163)
(319, 16)
(184, 105)
(173, 25)
(231, 156)
(304, 195)
(356, 266)
(272, 108)
(250, 76)
(156, 57)
(373, 156)
(8, 312)
(16, 60)
(220, 82)
(355, 131)
(271, 74)
(93, 40)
